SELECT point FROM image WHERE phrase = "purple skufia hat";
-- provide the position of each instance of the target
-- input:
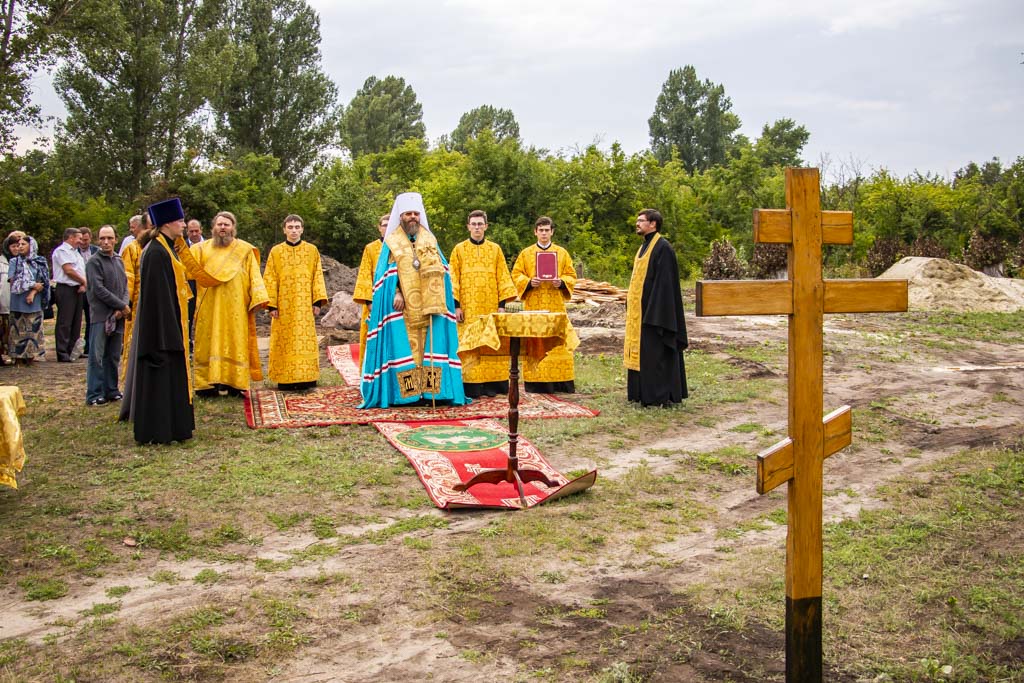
(166, 212)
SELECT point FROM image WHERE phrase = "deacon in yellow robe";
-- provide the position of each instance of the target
(481, 284)
(229, 289)
(295, 286)
(130, 254)
(556, 373)
(363, 292)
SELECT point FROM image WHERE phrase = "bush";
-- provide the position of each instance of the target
(883, 253)
(768, 260)
(983, 251)
(928, 247)
(723, 263)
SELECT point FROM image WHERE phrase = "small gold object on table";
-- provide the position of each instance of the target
(543, 331)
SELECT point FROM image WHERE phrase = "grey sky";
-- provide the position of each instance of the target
(902, 84)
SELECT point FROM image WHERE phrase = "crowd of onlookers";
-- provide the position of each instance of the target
(34, 288)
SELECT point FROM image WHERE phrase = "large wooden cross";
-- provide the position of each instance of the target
(797, 460)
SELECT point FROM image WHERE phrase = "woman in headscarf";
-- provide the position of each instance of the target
(5, 299)
(30, 290)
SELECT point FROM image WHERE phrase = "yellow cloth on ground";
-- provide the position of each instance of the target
(229, 289)
(12, 449)
(132, 254)
(363, 292)
(481, 281)
(634, 312)
(540, 333)
(558, 365)
(294, 279)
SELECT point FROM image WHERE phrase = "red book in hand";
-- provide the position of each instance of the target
(547, 265)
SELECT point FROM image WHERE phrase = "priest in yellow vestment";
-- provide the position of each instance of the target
(363, 292)
(229, 290)
(556, 373)
(296, 291)
(130, 255)
(481, 284)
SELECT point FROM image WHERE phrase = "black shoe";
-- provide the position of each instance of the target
(207, 393)
(97, 402)
(116, 396)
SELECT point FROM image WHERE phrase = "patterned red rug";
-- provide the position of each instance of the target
(345, 359)
(337, 405)
(445, 454)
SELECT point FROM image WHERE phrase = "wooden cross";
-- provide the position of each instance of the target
(805, 297)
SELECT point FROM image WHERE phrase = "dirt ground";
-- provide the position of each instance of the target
(940, 396)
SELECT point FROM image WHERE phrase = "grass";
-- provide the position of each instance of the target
(324, 536)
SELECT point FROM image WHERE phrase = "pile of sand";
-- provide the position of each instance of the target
(938, 284)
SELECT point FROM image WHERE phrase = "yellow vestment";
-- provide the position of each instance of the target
(229, 289)
(363, 292)
(295, 282)
(634, 307)
(481, 281)
(558, 365)
(421, 278)
(130, 257)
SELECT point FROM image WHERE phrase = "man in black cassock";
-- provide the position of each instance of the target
(158, 391)
(655, 328)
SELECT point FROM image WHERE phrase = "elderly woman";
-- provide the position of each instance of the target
(30, 279)
(5, 299)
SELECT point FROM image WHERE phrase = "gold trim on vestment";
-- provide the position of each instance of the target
(422, 287)
(634, 302)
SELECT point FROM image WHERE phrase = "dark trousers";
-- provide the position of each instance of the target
(85, 314)
(70, 307)
(104, 359)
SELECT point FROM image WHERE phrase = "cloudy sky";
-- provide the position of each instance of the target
(907, 85)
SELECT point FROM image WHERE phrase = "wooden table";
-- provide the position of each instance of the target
(544, 330)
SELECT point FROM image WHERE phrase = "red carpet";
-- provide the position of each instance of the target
(345, 359)
(336, 405)
(445, 454)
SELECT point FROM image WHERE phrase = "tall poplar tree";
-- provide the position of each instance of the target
(132, 86)
(277, 100)
(382, 115)
(30, 35)
(501, 122)
(696, 118)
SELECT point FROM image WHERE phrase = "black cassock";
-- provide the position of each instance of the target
(662, 376)
(156, 386)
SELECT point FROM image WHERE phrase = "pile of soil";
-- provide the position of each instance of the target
(938, 284)
(337, 276)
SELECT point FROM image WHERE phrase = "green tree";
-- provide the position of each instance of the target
(132, 86)
(780, 143)
(249, 187)
(30, 30)
(277, 100)
(382, 115)
(501, 122)
(695, 118)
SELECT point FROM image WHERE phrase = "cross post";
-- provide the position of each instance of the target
(797, 460)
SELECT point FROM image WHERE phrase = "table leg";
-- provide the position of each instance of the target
(511, 472)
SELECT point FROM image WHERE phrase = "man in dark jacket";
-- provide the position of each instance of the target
(107, 293)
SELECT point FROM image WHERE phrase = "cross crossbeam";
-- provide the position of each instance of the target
(805, 297)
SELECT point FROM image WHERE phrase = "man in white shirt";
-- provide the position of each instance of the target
(69, 274)
(134, 228)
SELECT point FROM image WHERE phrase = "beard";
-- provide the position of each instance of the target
(223, 240)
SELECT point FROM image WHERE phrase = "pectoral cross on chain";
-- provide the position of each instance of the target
(797, 460)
